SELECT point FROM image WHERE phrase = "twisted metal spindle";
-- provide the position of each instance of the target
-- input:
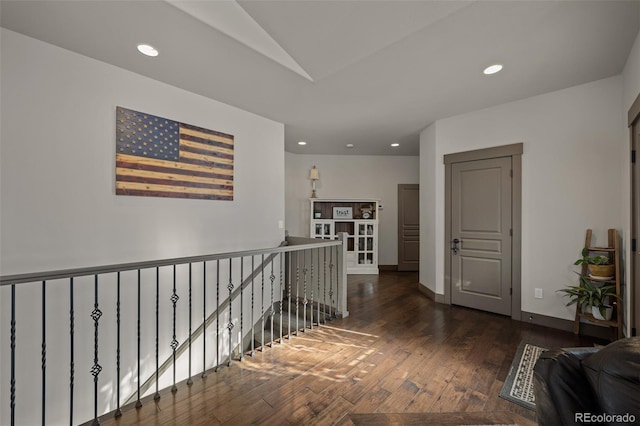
(230, 323)
(304, 292)
(97, 368)
(138, 402)
(331, 281)
(272, 277)
(324, 288)
(71, 351)
(338, 257)
(253, 273)
(44, 350)
(174, 342)
(281, 294)
(118, 412)
(311, 287)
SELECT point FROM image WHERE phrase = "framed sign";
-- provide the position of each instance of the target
(343, 212)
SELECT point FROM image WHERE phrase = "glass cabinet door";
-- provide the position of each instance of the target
(323, 230)
(365, 243)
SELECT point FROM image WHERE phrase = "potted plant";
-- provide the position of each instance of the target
(601, 308)
(599, 265)
(591, 298)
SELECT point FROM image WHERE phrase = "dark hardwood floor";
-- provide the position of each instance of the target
(399, 358)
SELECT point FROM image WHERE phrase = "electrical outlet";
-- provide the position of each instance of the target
(538, 293)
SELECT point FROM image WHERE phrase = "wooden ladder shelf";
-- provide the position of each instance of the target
(613, 251)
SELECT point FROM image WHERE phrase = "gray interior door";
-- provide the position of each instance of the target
(481, 225)
(408, 227)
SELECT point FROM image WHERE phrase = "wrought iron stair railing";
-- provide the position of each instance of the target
(117, 316)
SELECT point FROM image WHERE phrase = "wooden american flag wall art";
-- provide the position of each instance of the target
(157, 157)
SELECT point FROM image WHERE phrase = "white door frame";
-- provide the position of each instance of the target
(515, 152)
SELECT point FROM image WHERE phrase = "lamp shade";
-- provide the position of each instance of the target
(313, 174)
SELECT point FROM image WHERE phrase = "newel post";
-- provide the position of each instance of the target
(342, 276)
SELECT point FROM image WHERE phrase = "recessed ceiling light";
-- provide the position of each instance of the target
(302, 143)
(349, 145)
(148, 50)
(492, 69)
(395, 144)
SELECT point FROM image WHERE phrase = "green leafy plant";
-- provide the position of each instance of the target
(591, 260)
(590, 294)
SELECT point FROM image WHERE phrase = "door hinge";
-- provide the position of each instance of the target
(633, 245)
(633, 156)
(511, 232)
(511, 291)
(511, 172)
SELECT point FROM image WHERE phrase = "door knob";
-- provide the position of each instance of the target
(455, 242)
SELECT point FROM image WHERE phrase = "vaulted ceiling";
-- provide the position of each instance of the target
(367, 73)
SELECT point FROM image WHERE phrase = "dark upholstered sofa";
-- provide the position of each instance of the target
(594, 386)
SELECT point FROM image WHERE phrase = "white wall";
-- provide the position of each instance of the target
(630, 91)
(574, 144)
(59, 207)
(631, 77)
(428, 207)
(350, 176)
(59, 210)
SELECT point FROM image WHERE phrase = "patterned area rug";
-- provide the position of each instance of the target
(518, 387)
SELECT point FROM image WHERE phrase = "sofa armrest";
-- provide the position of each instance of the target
(561, 388)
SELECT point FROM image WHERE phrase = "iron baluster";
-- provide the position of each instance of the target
(217, 316)
(190, 380)
(337, 281)
(157, 394)
(118, 412)
(318, 250)
(281, 294)
(230, 324)
(330, 281)
(311, 287)
(297, 291)
(44, 350)
(241, 350)
(304, 292)
(324, 288)
(174, 343)
(13, 354)
(95, 370)
(289, 296)
(71, 358)
(272, 277)
(253, 334)
(262, 304)
(204, 320)
(138, 402)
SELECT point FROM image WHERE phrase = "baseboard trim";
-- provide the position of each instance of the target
(586, 329)
(438, 298)
(388, 267)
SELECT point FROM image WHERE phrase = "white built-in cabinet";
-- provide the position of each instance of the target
(359, 219)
